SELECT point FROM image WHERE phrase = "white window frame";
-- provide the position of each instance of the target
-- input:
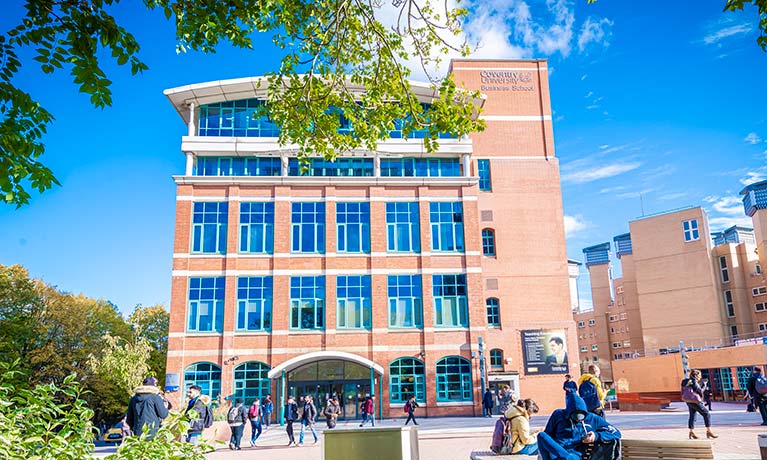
(584, 349)
(729, 306)
(581, 324)
(762, 327)
(759, 290)
(725, 273)
(594, 347)
(761, 306)
(592, 322)
(616, 345)
(691, 230)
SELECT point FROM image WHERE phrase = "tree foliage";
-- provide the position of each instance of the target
(761, 5)
(326, 45)
(151, 324)
(122, 363)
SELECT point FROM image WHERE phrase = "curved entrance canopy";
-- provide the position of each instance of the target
(298, 361)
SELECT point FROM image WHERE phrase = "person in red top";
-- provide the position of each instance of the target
(368, 411)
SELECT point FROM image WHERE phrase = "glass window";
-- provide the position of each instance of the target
(403, 227)
(691, 230)
(343, 167)
(450, 301)
(483, 167)
(420, 167)
(251, 381)
(206, 304)
(205, 375)
(407, 378)
(209, 227)
(257, 228)
(308, 227)
(404, 293)
(488, 242)
(254, 303)
(729, 304)
(353, 227)
(353, 296)
(453, 379)
(238, 166)
(496, 359)
(493, 312)
(723, 269)
(307, 302)
(446, 226)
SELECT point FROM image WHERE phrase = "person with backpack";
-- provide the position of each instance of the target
(591, 390)
(573, 433)
(266, 411)
(368, 411)
(198, 403)
(308, 419)
(487, 403)
(692, 394)
(290, 415)
(757, 389)
(236, 418)
(254, 415)
(512, 433)
(409, 408)
(146, 409)
(332, 409)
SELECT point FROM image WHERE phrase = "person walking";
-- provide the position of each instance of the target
(487, 403)
(254, 415)
(266, 411)
(707, 394)
(146, 409)
(569, 384)
(368, 411)
(290, 415)
(236, 417)
(308, 419)
(332, 409)
(410, 407)
(692, 394)
(759, 399)
(200, 404)
(592, 391)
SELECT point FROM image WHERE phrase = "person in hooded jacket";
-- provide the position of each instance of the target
(146, 409)
(573, 431)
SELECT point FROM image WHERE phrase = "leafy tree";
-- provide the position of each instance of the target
(734, 5)
(151, 323)
(327, 46)
(122, 363)
(21, 310)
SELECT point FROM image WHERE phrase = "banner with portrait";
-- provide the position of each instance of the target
(545, 351)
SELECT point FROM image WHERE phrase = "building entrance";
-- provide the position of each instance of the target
(348, 381)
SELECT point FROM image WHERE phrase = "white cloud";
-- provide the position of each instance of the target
(613, 189)
(575, 224)
(672, 196)
(714, 37)
(725, 204)
(754, 176)
(592, 106)
(589, 94)
(595, 31)
(584, 76)
(636, 194)
(599, 172)
(722, 222)
(753, 138)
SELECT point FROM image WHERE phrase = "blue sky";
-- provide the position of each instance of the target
(660, 98)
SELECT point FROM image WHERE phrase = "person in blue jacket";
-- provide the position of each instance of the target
(572, 431)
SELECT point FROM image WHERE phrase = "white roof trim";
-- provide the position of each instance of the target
(298, 361)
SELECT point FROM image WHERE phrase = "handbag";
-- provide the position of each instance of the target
(690, 396)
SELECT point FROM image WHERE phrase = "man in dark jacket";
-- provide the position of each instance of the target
(198, 403)
(573, 431)
(759, 399)
(487, 403)
(307, 419)
(146, 409)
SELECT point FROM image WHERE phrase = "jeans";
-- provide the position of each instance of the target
(694, 409)
(267, 418)
(549, 449)
(304, 424)
(289, 430)
(236, 435)
(761, 404)
(411, 416)
(366, 417)
(530, 449)
(255, 430)
(487, 411)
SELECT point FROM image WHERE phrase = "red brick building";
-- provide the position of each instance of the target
(379, 273)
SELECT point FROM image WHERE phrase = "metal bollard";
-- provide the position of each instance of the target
(763, 445)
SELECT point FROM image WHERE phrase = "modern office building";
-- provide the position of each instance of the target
(380, 273)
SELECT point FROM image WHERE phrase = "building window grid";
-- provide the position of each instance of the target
(206, 304)
(420, 167)
(493, 312)
(238, 166)
(353, 295)
(353, 227)
(762, 327)
(496, 358)
(254, 303)
(341, 167)
(308, 227)
(595, 348)
(251, 381)
(450, 301)
(453, 379)
(407, 377)
(209, 224)
(757, 291)
(403, 227)
(405, 294)
(723, 269)
(488, 242)
(257, 228)
(446, 226)
(743, 374)
(761, 306)
(584, 349)
(307, 302)
(592, 322)
(691, 232)
(483, 168)
(205, 375)
(729, 306)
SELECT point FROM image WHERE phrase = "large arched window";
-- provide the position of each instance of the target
(205, 375)
(407, 377)
(488, 242)
(496, 358)
(493, 312)
(251, 382)
(453, 379)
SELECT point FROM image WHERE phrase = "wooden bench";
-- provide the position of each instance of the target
(490, 455)
(642, 449)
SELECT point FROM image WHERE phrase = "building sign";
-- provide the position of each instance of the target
(544, 351)
(506, 80)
